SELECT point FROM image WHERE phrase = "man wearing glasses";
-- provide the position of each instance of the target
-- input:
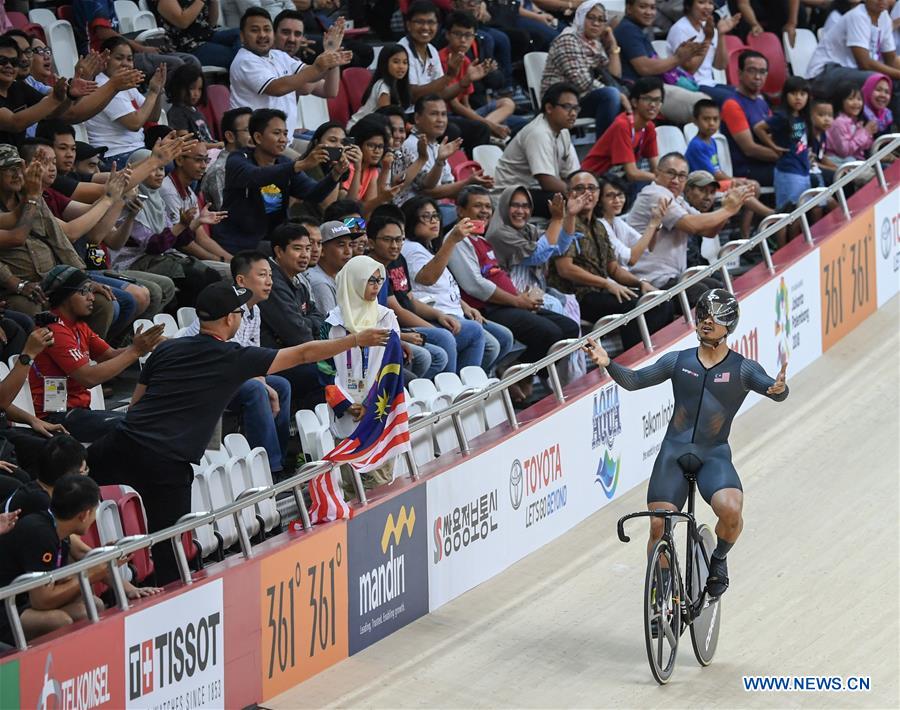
(628, 147)
(664, 265)
(236, 136)
(541, 154)
(739, 114)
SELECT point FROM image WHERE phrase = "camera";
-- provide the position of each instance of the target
(334, 154)
(45, 318)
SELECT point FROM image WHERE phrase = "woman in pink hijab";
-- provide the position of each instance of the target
(876, 93)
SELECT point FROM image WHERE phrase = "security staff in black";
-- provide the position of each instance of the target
(709, 383)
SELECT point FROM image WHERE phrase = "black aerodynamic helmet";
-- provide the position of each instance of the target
(721, 305)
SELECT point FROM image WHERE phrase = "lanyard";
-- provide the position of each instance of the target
(34, 365)
(365, 362)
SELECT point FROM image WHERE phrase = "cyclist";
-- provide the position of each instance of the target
(709, 383)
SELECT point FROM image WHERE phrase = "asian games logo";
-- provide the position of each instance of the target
(783, 322)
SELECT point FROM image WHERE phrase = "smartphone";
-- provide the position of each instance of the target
(478, 226)
(45, 318)
(348, 140)
(334, 154)
(143, 196)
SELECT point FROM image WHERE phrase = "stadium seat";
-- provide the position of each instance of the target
(339, 107)
(450, 384)
(134, 522)
(126, 10)
(217, 100)
(733, 44)
(324, 444)
(308, 428)
(217, 491)
(19, 20)
(236, 445)
(66, 12)
(661, 47)
(98, 401)
(168, 322)
(487, 156)
(422, 441)
(23, 400)
(355, 81)
(257, 462)
(731, 72)
(144, 24)
(62, 41)
(186, 315)
(670, 139)
(109, 525)
(798, 56)
(312, 111)
(43, 17)
(444, 435)
(534, 72)
(238, 481)
(204, 535)
(493, 409)
(322, 411)
(690, 130)
(769, 45)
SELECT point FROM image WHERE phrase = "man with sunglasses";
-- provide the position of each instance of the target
(62, 376)
(664, 265)
(709, 384)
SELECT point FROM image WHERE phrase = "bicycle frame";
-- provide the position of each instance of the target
(691, 608)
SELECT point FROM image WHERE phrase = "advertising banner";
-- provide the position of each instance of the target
(9, 686)
(387, 547)
(175, 651)
(303, 608)
(847, 278)
(887, 249)
(78, 672)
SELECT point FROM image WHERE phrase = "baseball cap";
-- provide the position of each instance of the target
(83, 151)
(219, 299)
(9, 156)
(701, 178)
(61, 281)
(333, 230)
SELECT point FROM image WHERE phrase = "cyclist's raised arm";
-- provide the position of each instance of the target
(754, 378)
(654, 374)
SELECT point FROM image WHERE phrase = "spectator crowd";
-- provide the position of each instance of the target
(446, 194)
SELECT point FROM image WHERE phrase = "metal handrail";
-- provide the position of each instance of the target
(111, 555)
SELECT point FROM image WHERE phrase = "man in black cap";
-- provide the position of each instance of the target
(182, 391)
(62, 376)
(88, 160)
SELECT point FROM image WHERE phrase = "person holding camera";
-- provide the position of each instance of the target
(259, 182)
(78, 359)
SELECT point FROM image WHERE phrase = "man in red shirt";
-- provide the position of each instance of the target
(61, 377)
(631, 138)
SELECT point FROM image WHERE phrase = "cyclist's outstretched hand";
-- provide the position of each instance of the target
(596, 353)
(779, 385)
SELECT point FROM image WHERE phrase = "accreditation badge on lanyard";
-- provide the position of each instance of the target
(354, 384)
(55, 394)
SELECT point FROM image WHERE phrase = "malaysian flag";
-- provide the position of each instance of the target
(381, 435)
(722, 377)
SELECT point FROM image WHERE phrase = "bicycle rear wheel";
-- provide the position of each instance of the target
(662, 606)
(705, 628)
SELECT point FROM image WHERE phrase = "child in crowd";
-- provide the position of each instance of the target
(786, 131)
(496, 114)
(701, 154)
(850, 136)
(821, 171)
(389, 85)
(187, 91)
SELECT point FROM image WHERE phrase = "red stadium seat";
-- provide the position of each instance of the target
(66, 12)
(731, 71)
(134, 522)
(339, 108)
(732, 44)
(770, 46)
(217, 99)
(461, 166)
(355, 81)
(19, 20)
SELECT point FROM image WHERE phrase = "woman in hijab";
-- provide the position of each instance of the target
(352, 374)
(587, 56)
(524, 251)
(876, 93)
(589, 268)
(153, 242)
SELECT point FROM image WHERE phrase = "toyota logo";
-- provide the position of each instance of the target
(887, 237)
(516, 487)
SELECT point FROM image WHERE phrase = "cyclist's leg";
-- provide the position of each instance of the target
(720, 485)
(667, 489)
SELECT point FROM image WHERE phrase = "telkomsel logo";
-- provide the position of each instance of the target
(534, 478)
(88, 689)
(173, 656)
(607, 424)
(608, 474)
(387, 581)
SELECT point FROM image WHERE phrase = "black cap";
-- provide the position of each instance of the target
(83, 151)
(219, 299)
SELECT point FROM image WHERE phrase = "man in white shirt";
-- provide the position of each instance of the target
(664, 265)
(859, 43)
(264, 402)
(263, 77)
(178, 195)
(541, 155)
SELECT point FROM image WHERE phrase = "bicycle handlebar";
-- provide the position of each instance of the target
(620, 526)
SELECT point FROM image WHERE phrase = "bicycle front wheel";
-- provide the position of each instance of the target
(705, 628)
(662, 612)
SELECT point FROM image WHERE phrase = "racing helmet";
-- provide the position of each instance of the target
(721, 305)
